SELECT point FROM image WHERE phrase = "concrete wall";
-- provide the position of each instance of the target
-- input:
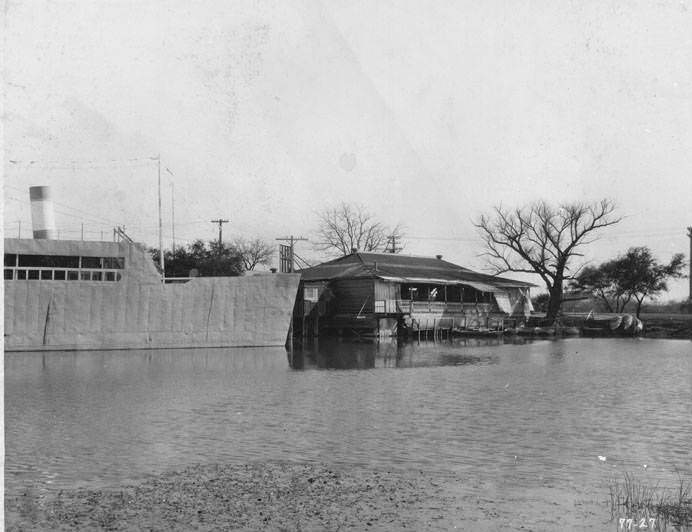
(205, 312)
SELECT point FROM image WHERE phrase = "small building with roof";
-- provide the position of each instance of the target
(386, 294)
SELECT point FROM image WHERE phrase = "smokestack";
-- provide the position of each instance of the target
(42, 215)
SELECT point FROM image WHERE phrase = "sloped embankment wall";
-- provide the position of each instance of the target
(205, 312)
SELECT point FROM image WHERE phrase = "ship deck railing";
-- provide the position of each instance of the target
(51, 273)
(170, 280)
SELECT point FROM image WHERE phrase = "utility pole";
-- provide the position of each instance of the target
(173, 217)
(689, 234)
(292, 240)
(392, 239)
(220, 222)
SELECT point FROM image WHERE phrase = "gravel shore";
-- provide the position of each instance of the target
(266, 496)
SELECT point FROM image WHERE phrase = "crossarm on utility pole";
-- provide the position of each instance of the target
(292, 240)
(220, 222)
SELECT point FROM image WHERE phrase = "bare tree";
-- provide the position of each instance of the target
(253, 252)
(347, 227)
(543, 239)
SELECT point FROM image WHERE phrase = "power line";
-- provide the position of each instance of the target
(301, 261)
(450, 238)
(69, 215)
(181, 224)
(88, 167)
(90, 217)
(81, 163)
(395, 248)
(622, 235)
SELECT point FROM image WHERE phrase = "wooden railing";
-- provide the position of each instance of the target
(407, 306)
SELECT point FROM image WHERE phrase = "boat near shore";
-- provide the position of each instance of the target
(477, 333)
(71, 295)
(621, 325)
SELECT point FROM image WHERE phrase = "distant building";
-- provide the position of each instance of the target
(386, 294)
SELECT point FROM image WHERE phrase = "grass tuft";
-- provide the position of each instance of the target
(633, 499)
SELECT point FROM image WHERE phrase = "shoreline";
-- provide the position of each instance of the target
(660, 326)
(254, 496)
(668, 326)
(279, 495)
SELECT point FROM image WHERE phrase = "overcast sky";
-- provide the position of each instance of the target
(426, 112)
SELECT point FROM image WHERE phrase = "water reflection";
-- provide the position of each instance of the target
(334, 353)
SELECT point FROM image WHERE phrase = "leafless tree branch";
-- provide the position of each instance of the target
(347, 227)
(542, 239)
(253, 252)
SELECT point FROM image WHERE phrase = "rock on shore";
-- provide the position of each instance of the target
(261, 496)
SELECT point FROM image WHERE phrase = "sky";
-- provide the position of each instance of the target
(426, 113)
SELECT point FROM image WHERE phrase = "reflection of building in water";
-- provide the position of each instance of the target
(331, 354)
(334, 353)
(384, 294)
(391, 352)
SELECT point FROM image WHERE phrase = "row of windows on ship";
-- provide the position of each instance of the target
(62, 267)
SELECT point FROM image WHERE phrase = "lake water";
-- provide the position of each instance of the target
(513, 418)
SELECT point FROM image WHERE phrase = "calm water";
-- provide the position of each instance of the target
(525, 416)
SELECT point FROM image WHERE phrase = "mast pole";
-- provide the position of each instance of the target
(158, 158)
(173, 216)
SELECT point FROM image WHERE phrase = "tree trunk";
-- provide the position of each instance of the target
(639, 306)
(554, 303)
(622, 303)
(601, 295)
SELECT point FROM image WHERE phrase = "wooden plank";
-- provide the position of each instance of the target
(354, 295)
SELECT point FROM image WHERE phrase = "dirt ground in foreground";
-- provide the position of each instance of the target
(285, 496)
